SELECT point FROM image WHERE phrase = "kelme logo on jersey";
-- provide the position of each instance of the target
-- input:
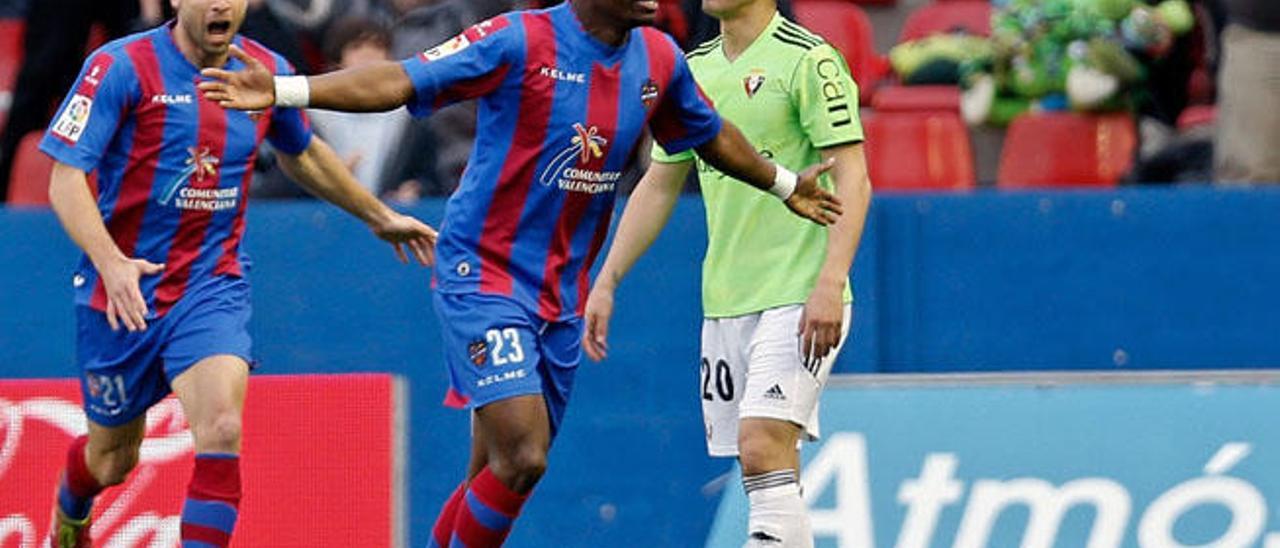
(196, 187)
(569, 168)
(753, 82)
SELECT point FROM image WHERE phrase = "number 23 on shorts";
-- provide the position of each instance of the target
(505, 346)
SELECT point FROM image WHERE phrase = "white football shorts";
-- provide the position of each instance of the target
(752, 367)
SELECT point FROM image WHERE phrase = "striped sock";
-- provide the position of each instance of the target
(486, 513)
(77, 486)
(443, 530)
(213, 500)
(778, 516)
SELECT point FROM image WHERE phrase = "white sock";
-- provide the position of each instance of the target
(778, 517)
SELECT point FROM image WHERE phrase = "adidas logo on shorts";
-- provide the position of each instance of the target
(775, 393)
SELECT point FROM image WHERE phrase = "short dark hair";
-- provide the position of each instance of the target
(354, 31)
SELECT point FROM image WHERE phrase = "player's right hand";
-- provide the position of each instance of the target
(250, 88)
(812, 201)
(595, 338)
(125, 305)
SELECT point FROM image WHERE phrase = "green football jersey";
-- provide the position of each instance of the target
(791, 94)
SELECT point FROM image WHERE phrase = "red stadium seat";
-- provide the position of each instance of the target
(848, 29)
(29, 180)
(1064, 149)
(918, 151)
(11, 32)
(973, 16)
(917, 99)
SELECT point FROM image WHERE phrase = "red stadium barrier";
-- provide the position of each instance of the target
(321, 465)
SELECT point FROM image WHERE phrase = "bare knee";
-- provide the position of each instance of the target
(765, 447)
(219, 433)
(521, 467)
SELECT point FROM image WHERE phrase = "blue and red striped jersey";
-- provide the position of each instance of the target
(560, 114)
(173, 169)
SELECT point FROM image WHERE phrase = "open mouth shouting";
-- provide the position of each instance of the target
(218, 32)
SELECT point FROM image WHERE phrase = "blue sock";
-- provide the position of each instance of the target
(213, 499)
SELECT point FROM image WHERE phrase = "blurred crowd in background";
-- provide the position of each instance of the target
(1198, 81)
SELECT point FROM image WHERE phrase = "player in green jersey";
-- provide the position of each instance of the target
(775, 290)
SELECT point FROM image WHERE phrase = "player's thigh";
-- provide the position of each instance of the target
(213, 387)
(208, 352)
(479, 448)
(722, 376)
(781, 385)
(560, 345)
(121, 372)
(514, 424)
(491, 349)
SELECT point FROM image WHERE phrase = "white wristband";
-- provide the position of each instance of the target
(784, 183)
(292, 91)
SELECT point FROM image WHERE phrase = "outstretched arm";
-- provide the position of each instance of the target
(321, 171)
(646, 213)
(730, 152)
(374, 87)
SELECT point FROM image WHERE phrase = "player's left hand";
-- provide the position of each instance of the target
(812, 201)
(404, 231)
(820, 322)
(250, 88)
(595, 336)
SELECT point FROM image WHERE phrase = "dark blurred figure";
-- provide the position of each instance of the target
(13, 8)
(1248, 138)
(56, 37)
(262, 24)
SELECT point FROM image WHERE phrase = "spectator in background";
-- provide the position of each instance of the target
(1248, 94)
(369, 142)
(450, 132)
(262, 24)
(56, 38)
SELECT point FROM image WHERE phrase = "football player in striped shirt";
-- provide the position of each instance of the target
(162, 291)
(767, 346)
(564, 96)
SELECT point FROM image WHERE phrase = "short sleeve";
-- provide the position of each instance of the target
(290, 131)
(685, 118)
(86, 122)
(467, 66)
(661, 156)
(826, 98)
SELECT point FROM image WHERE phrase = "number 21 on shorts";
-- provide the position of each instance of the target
(505, 346)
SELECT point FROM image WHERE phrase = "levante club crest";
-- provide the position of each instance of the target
(753, 82)
(649, 93)
(477, 351)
